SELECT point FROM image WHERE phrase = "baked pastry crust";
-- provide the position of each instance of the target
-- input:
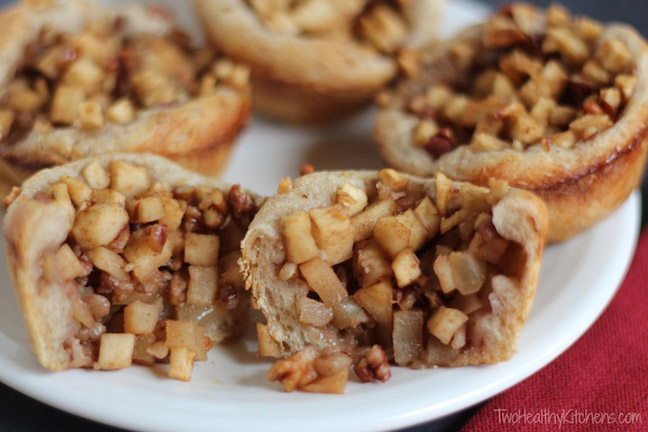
(198, 134)
(580, 185)
(519, 216)
(34, 228)
(306, 79)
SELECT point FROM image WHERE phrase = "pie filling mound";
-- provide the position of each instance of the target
(152, 269)
(526, 78)
(378, 24)
(105, 75)
(398, 276)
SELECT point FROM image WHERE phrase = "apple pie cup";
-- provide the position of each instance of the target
(127, 258)
(79, 80)
(551, 103)
(381, 267)
(317, 60)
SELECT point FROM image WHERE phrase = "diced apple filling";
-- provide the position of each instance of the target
(149, 270)
(495, 92)
(105, 75)
(419, 271)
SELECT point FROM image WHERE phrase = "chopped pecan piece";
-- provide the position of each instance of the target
(374, 366)
(242, 203)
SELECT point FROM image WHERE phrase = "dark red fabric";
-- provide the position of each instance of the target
(605, 372)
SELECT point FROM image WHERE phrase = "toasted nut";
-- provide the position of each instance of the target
(374, 366)
(296, 371)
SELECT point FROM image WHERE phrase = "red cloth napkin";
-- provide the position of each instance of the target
(600, 383)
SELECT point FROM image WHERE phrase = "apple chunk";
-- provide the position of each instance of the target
(315, 313)
(407, 336)
(391, 235)
(203, 285)
(181, 363)
(323, 280)
(141, 318)
(201, 249)
(333, 233)
(188, 334)
(98, 225)
(352, 198)
(371, 265)
(268, 347)
(365, 222)
(300, 244)
(445, 322)
(406, 268)
(377, 300)
(115, 351)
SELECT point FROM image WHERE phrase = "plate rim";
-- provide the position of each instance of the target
(405, 419)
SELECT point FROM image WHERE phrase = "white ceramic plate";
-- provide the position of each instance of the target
(229, 391)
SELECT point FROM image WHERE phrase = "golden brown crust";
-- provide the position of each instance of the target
(519, 216)
(204, 127)
(572, 181)
(35, 228)
(317, 79)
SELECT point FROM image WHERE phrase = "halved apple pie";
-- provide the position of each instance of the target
(552, 103)
(314, 60)
(127, 258)
(80, 80)
(383, 267)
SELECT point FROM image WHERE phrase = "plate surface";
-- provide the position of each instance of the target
(229, 391)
